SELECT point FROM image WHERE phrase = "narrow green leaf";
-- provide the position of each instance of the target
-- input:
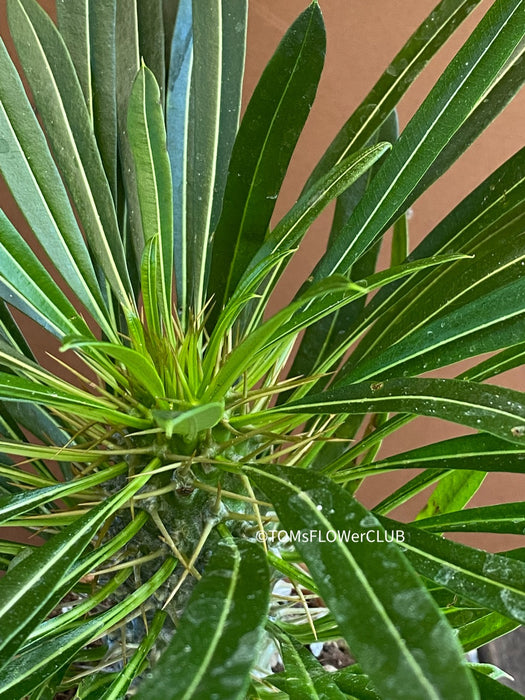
(74, 25)
(508, 518)
(33, 587)
(453, 492)
(60, 102)
(324, 337)
(102, 33)
(177, 117)
(494, 209)
(127, 57)
(495, 581)
(151, 43)
(51, 655)
(490, 689)
(32, 177)
(485, 629)
(409, 651)
(481, 452)
(147, 138)
(269, 131)
(11, 506)
(151, 285)
(296, 681)
(189, 423)
(428, 38)
(291, 229)
(26, 285)
(124, 679)
(139, 365)
(234, 23)
(79, 403)
(215, 644)
(243, 355)
(489, 408)
(203, 141)
(446, 108)
(400, 241)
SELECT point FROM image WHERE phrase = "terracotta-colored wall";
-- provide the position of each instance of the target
(363, 37)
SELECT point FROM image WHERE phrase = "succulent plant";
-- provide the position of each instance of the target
(182, 463)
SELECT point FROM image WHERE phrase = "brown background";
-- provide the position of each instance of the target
(363, 37)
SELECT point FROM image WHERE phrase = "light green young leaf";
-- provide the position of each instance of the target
(147, 139)
(191, 422)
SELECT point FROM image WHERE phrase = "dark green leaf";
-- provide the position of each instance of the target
(368, 585)
(267, 137)
(216, 641)
(446, 108)
(492, 409)
(395, 81)
(505, 518)
(494, 581)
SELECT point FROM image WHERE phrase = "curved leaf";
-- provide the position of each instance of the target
(368, 584)
(492, 409)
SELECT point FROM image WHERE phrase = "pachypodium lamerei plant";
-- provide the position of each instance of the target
(186, 463)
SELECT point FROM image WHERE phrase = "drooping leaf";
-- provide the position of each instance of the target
(367, 584)
(214, 647)
(489, 408)
(494, 581)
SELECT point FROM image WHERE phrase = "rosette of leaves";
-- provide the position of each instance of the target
(172, 423)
